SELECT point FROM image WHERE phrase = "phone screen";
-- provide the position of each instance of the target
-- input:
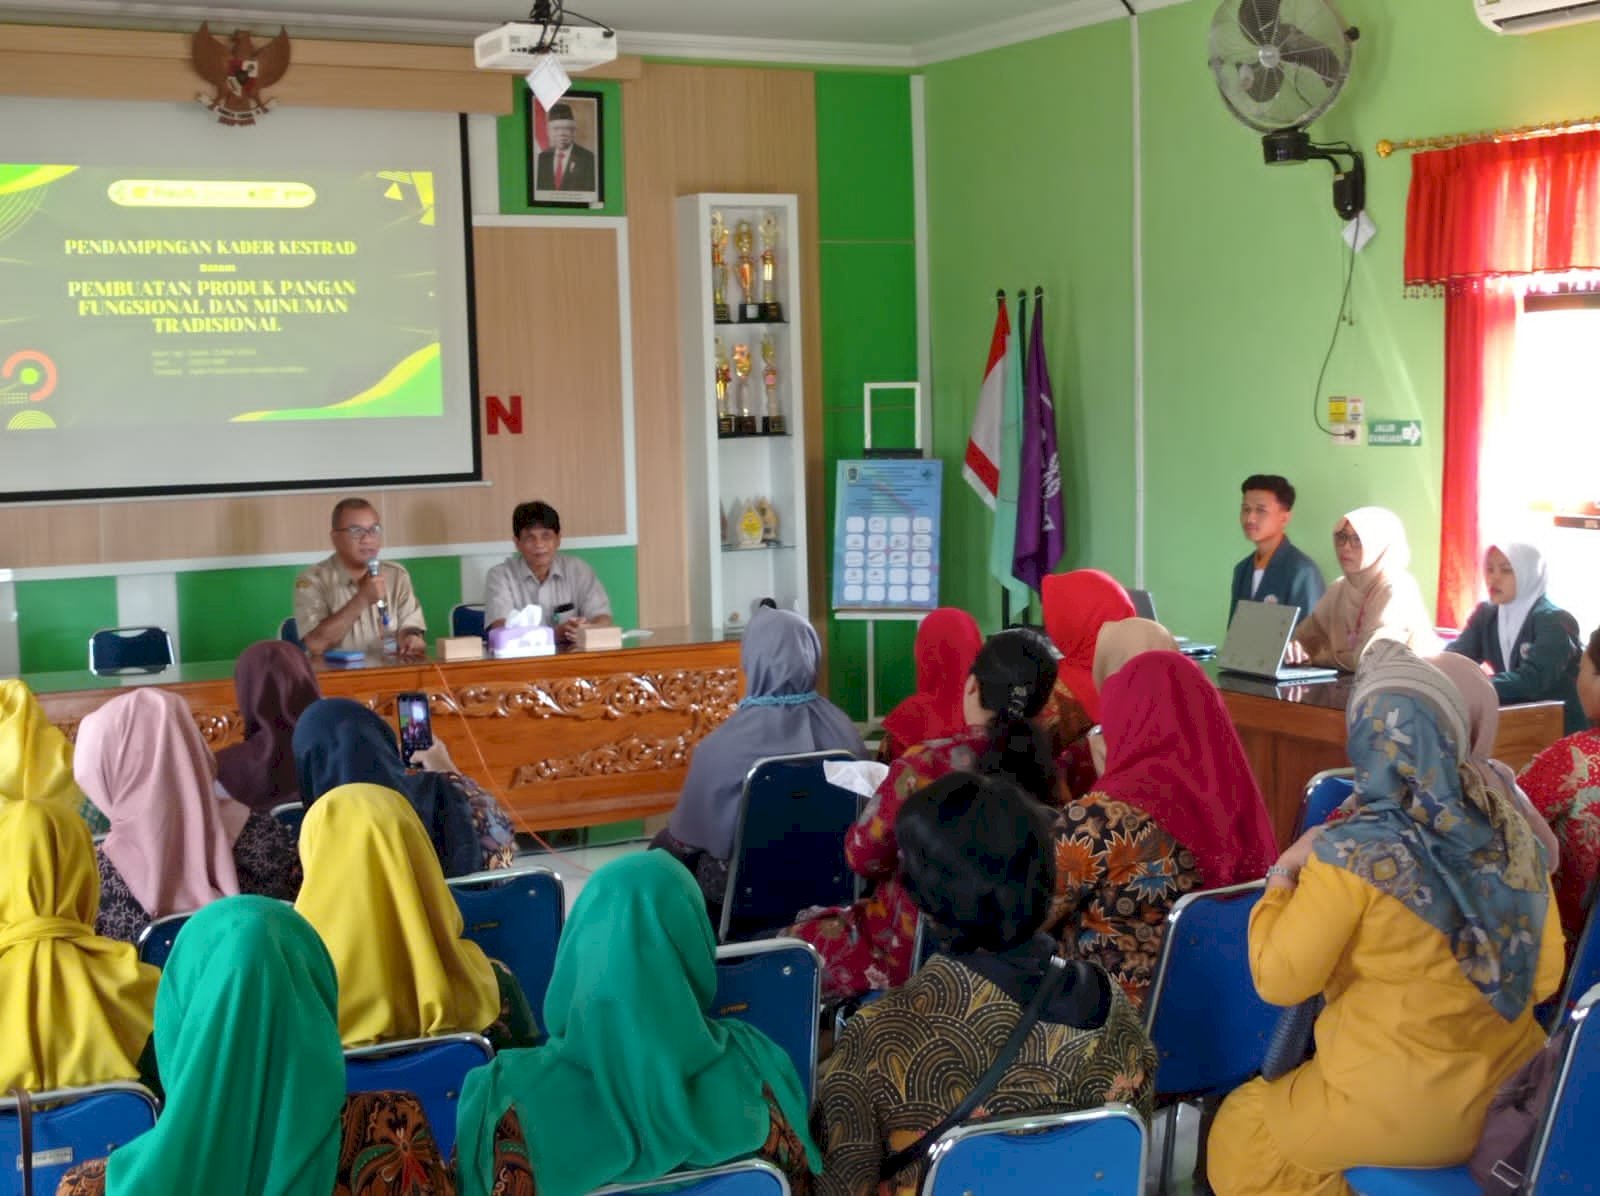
(416, 724)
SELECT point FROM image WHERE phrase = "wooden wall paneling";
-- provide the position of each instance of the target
(59, 535)
(555, 339)
(180, 529)
(689, 129)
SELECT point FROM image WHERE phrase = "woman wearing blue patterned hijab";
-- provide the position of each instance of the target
(1427, 923)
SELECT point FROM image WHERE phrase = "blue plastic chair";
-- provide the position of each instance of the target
(1209, 1026)
(749, 1177)
(71, 1126)
(129, 650)
(1562, 1158)
(467, 618)
(431, 1069)
(289, 631)
(1324, 794)
(515, 915)
(1093, 1152)
(156, 940)
(776, 986)
(1584, 973)
(788, 850)
(290, 814)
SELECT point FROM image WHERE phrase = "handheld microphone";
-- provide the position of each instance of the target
(373, 566)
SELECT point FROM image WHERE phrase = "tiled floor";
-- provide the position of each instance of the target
(575, 866)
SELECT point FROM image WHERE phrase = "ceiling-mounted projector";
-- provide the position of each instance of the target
(517, 46)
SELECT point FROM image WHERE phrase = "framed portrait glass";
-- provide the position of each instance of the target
(566, 151)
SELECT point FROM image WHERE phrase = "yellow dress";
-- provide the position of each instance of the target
(1408, 1051)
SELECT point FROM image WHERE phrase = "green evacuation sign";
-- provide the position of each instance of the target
(1405, 433)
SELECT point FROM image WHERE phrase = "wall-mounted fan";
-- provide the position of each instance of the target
(1279, 65)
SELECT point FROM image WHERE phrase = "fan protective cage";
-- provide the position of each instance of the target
(1279, 64)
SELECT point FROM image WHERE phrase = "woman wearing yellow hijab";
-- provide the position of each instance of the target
(75, 1008)
(35, 757)
(376, 894)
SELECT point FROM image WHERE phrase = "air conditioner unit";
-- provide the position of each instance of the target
(517, 45)
(1529, 16)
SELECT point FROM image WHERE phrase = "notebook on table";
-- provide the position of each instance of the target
(1257, 639)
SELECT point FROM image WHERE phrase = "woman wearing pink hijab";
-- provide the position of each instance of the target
(174, 845)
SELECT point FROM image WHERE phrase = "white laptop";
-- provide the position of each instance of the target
(1258, 637)
(1144, 605)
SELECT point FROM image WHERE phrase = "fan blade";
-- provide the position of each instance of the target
(1261, 83)
(1299, 49)
(1258, 20)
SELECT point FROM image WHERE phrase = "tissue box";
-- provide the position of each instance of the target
(522, 641)
(599, 639)
(458, 647)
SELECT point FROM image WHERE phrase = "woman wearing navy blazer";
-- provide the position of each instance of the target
(1527, 644)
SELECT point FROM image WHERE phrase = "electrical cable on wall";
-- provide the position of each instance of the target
(1333, 341)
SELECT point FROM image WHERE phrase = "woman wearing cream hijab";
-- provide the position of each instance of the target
(376, 894)
(1376, 594)
(75, 1009)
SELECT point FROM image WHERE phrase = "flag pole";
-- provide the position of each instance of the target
(1005, 594)
(1022, 356)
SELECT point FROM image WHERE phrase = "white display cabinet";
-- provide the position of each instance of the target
(743, 405)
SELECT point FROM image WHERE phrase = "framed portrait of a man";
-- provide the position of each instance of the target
(566, 154)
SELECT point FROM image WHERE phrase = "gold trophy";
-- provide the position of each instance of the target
(771, 309)
(723, 376)
(719, 269)
(744, 241)
(772, 423)
(769, 520)
(745, 424)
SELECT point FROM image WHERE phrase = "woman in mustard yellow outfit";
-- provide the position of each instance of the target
(1427, 922)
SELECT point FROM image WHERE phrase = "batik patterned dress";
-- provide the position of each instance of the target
(1117, 877)
(1563, 782)
(386, 1148)
(904, 1062)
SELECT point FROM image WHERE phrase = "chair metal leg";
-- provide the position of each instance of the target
(1169, 1143)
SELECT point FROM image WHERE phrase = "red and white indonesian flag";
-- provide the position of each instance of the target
(982, 465)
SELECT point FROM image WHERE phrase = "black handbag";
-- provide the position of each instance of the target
(25, 1129)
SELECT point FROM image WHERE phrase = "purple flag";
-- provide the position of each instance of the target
(1041, 523)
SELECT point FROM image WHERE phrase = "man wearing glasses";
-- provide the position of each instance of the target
(340, 603)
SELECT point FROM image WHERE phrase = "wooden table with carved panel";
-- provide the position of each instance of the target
(575, 739)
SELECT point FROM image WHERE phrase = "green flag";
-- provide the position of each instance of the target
(1002, 546)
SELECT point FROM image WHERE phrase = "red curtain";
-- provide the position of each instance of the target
(1478, 218)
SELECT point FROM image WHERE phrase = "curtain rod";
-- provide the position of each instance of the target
(1452, 140)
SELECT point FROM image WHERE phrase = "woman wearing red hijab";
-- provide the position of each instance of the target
(947, 644)
(1177, 810)
(1076, 606)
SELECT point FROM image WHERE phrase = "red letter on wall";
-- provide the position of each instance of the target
(499, 414)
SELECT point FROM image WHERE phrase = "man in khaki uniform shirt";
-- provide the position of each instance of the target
(336, 600)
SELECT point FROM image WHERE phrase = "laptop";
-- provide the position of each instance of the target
(1144, 605)
(1257, 639)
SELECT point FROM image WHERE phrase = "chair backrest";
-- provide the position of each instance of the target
(1563, 1157)
(788, 850)
(1209, 1027)
(776, 986)
(71, 1126)
(515, 915)
(1324, 794)
(156, 939)
(130, 650)
(289, 630)
(291, 814)
(1094, 1152)
(748, 1177)
(467, 618)
(1584, 972)
(924, 946)
(431, 1069)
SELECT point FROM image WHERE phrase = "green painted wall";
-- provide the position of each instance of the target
(56, 618)
(221, 612)
(866, 219)
(1031, 181)
(1030, 184)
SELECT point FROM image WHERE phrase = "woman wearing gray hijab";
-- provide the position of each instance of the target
(781, 715)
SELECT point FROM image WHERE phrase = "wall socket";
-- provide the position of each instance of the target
(1346, 419)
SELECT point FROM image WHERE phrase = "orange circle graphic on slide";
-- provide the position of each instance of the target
(32, 368)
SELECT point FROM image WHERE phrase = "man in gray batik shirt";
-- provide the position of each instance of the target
(564, 588)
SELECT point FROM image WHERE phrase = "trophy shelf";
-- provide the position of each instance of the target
(742, 381)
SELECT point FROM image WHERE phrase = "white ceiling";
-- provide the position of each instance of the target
(889, 32)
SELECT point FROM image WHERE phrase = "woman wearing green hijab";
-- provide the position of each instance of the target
(247, 1038)
(635, 1080)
